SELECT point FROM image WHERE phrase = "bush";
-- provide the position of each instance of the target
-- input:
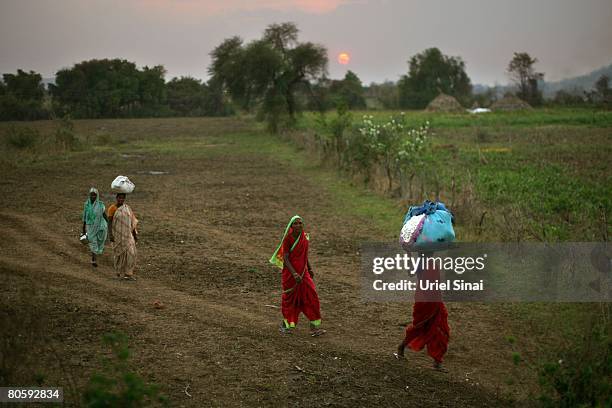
(65, 137)
(394, 145)
(582, 377)
(117, 386)
(333, 131)
(22, 137)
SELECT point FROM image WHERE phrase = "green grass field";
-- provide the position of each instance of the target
(536, 117)
(534, 175)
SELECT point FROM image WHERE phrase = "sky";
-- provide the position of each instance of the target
(568, 37)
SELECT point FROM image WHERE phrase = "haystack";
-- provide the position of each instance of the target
(444, 103)
(510, 103)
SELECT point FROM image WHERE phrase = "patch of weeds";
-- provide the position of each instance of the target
(22, 137)
(116, 385)
(65, 136)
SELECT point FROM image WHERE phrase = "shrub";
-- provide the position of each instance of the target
(22, 137)
(117, 386)
(65, 137)
(394, 145)
(333, 131)
(582, 376)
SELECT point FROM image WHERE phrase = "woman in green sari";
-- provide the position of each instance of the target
(95, 224)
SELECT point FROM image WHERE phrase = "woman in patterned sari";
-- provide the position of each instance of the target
(299, 292)
(95, 224)
(124, 235)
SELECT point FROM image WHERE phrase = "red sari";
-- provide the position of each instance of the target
(298, 298)
(429, 320)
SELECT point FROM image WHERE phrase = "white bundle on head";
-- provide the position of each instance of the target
(122, 184)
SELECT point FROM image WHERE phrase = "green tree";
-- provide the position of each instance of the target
(186, 96)
(602, 86)
(431, 72)
(109, 88)
(317, 95)
(268, 73)
(151, 91)
(217, 103)
(603, 94)
(522, 73)
(386, 93)
(21, 96)
(228, 70)
(348, 92)
(566, 98)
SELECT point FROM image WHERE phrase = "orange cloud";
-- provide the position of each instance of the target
(215, 7)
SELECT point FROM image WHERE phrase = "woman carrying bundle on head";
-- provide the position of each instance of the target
(426, 228)
(299, 292)
(429, 327)
(95, 224)
(124, 235)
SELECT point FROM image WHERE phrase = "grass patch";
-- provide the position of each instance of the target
(535, 117)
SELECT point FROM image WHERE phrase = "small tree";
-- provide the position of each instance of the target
(386, 93)
(602, 94)
(21, 96)
(268, 72)
(333, 131)
(186, 96)
(430, 73)
(522, 73)
(567, 98)
(348, 92)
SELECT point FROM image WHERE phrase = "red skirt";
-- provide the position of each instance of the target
(302, 299)
(429, 328)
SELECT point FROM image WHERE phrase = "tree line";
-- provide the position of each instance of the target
(108, 88)
(275, 77)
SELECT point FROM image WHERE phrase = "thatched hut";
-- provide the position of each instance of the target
(445, 103)
(510, 103)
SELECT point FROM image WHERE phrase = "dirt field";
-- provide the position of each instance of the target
(207, 228)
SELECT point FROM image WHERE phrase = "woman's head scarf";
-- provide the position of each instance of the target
(277, 257)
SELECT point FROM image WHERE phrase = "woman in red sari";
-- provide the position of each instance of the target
(429, 322)
(299, 292)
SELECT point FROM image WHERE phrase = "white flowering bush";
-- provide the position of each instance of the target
(391, 143)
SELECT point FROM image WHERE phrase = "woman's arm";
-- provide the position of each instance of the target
(110, 229)
(84, 218)
(310, 271)
(297, 277)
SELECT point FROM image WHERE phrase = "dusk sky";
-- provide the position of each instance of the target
(569, 37)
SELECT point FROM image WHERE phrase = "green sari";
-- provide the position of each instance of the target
(96, 225)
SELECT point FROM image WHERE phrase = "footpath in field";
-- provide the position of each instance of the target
(209, 221)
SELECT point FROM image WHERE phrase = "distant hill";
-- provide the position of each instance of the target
(579, 83)
(576, 84)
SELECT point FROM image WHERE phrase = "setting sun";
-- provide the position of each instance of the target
(344, 58)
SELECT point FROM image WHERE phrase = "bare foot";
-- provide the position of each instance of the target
(437, 365)
(400, 351)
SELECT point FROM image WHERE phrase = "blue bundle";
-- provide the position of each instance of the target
(437, 226)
